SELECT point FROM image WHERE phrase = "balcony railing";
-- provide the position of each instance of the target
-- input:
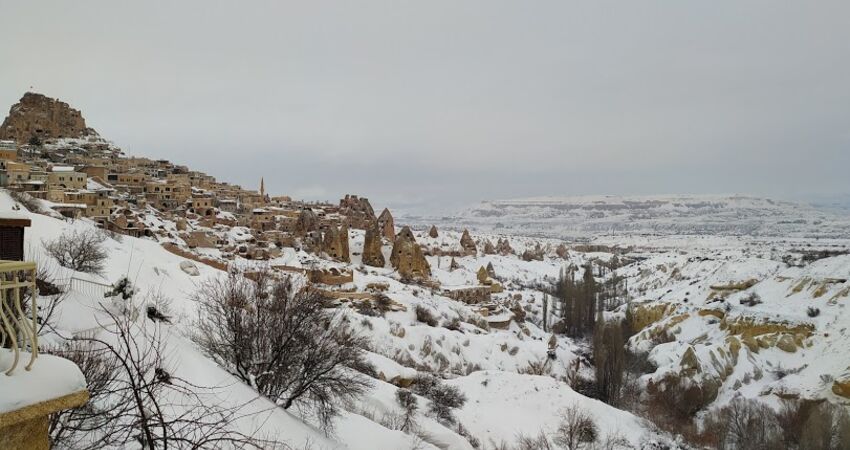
(18, 294)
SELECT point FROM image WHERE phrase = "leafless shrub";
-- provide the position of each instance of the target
(426, 316)
(383, 303)
(576, 429)
(282, 342)
(752, 299)
(539, 367)
(811, 311)
(409, 405)
(443, 398)
(453, 324)
(81, 251)
(539, 442)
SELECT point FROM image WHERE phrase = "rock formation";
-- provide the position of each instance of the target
(335, 243)
(489, 248)
(357, 210)
(386, 224)
(372, 254)
(482, 275)
(468, 245)
(561, 251)
(491, 272)
(433, 231)
(37, 118)
(307, 222)
(453, 265)
(503, 247)
(407, 256)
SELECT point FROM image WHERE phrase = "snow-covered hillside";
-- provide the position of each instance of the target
(486, 363)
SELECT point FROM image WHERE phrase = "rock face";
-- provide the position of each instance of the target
(335, 243)
(386, 224)
(357, 210)
(37, 117)
(407, 256)
(372, 254)
(467, 244)
(433, 231)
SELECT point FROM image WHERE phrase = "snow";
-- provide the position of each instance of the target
(49, 378)
(502, 405)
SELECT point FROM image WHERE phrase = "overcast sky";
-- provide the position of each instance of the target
(440, 103)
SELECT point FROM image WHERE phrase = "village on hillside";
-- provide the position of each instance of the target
(48, 153)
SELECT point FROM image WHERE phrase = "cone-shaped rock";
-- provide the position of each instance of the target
(372, 254)
(407, 256)
(468, 245)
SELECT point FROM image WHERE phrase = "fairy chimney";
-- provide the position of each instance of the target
(407, 256)
(561, 251)
(453, 265)
(433, 231)
(386, 224)
(468, 245)
(489, 248)
(335, 243)
(307, 222)
(372, 254)
(357, 210)
(503, 247)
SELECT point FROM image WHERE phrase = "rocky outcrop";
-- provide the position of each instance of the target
(335, 243)
(372, 254)
(467, 244)
(503, 247)
(453, 265)
(561, 251)
(386, 224)
(37, 118)
(433, 232)
(841, 385)
(357, 210)
(489, 248)
(407, 256)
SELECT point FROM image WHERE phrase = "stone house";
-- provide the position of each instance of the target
(125, 221)
(66, 177)
(469, 295)
(202, 206)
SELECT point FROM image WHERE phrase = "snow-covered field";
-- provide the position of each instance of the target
(696, 215)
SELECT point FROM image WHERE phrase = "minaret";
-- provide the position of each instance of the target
(262, 188)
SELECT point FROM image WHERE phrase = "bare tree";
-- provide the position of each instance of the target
(576, 428)
(282, 342)
(609, 359)
(135, 397)
(81, 251)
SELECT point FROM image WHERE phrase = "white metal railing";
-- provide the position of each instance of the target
(17, 332)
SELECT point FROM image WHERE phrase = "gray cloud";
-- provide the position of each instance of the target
(440, 103)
